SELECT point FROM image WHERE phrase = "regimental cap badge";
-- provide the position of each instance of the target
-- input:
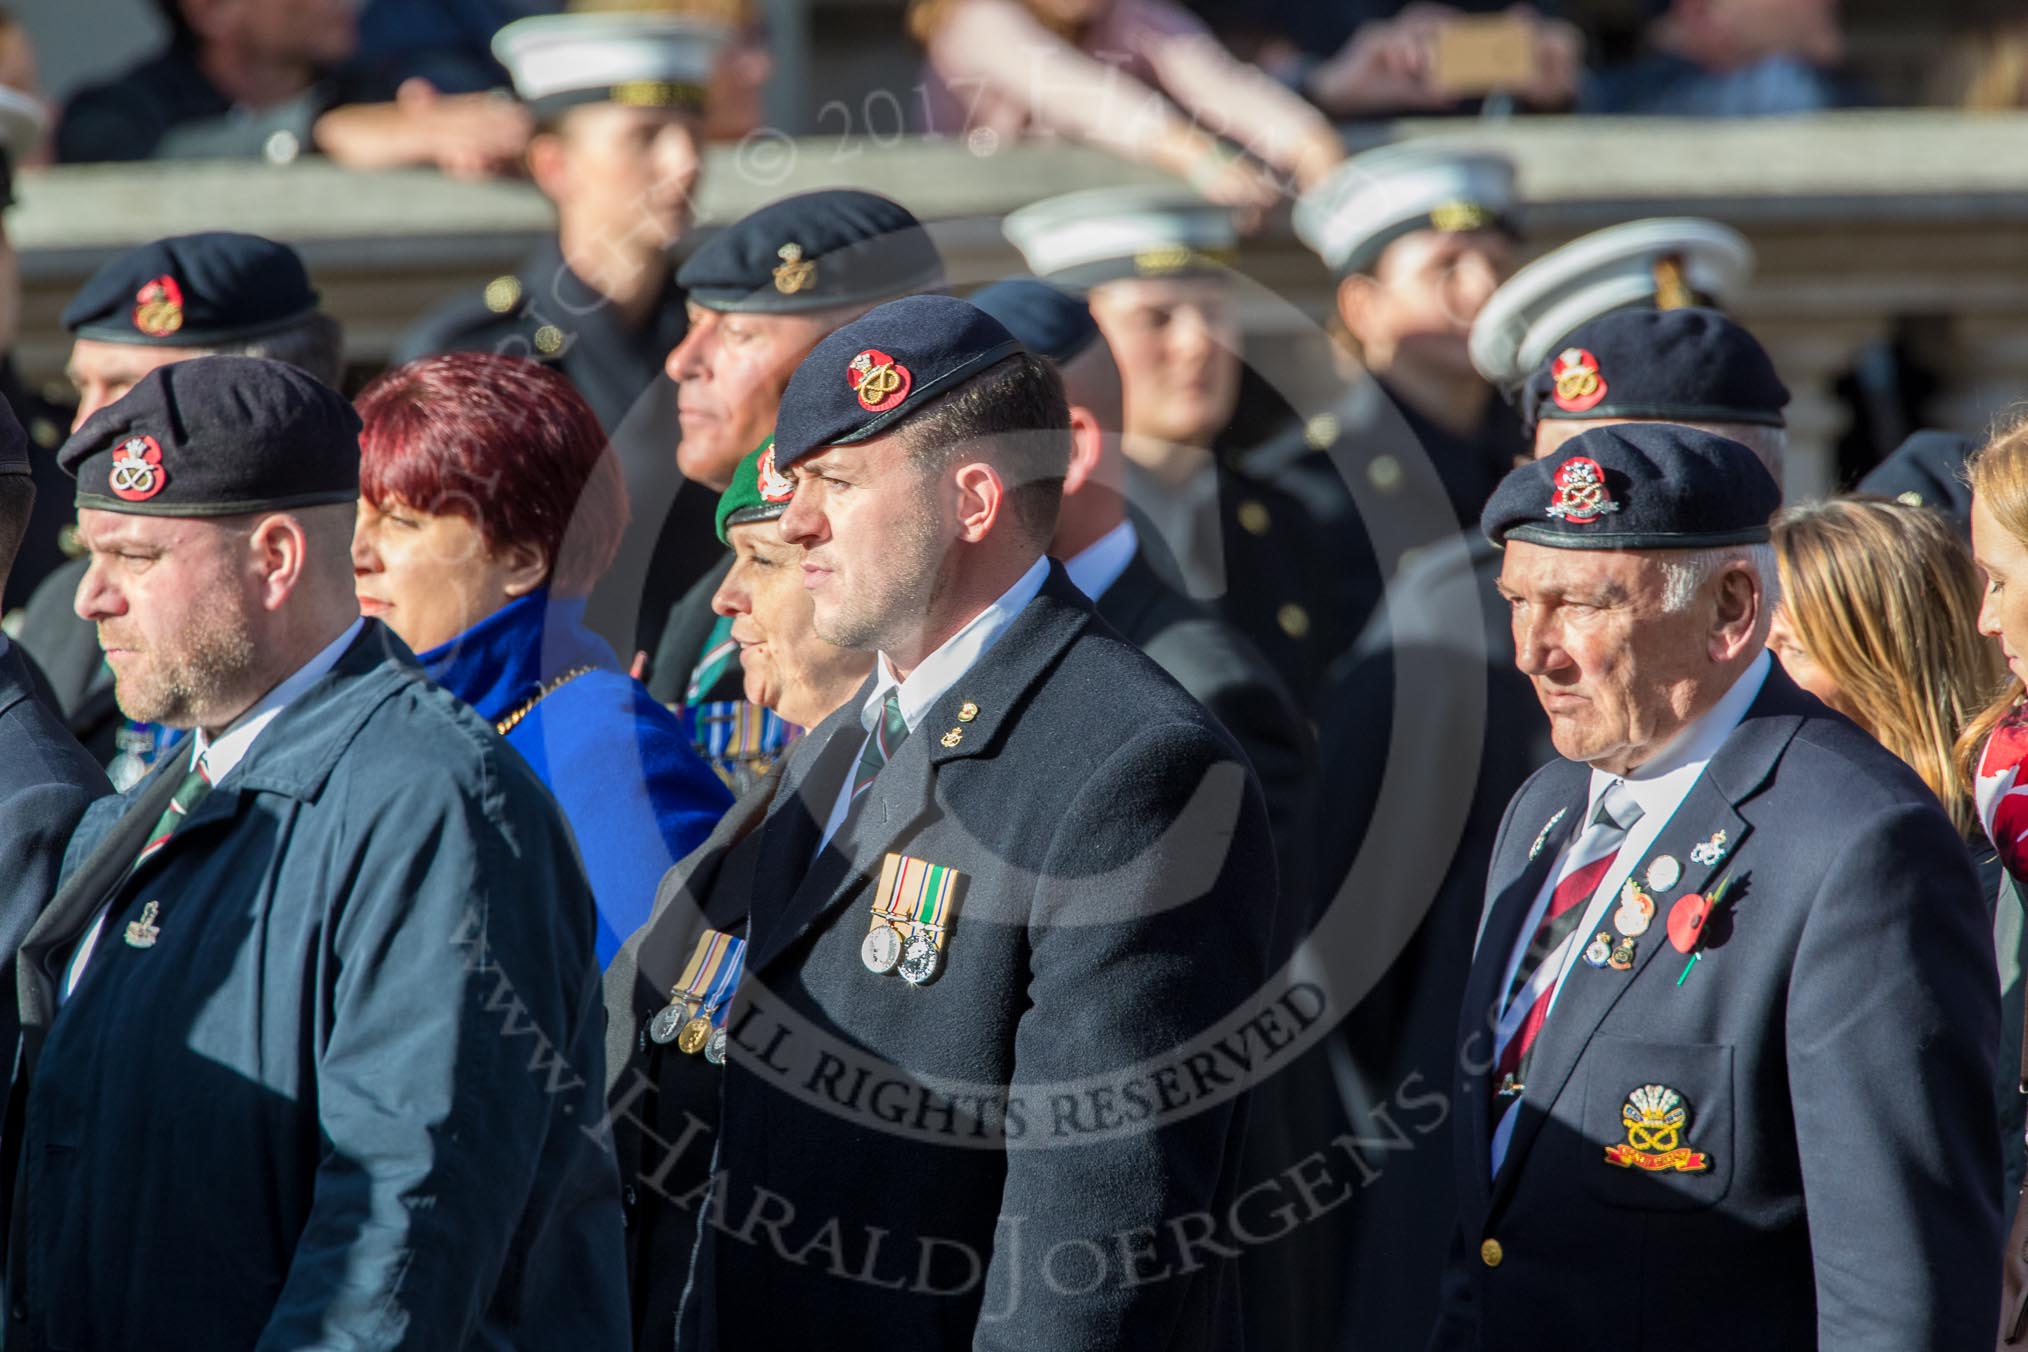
(137, 469)
(158, 307)
(1672, 284)
(775, 486)
(1458, 216)
(1656, 1118)
(1581, 496)
(880, 381)
(1580, 385)
(794, 273)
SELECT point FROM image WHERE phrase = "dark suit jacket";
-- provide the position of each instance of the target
(46, 783)
(944, 1139)
(67, 650)
(1834, 1045)
(1226, 673)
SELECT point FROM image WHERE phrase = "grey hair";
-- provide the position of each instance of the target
(1685, 572)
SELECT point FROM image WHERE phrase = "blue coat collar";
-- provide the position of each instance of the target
(500, 662)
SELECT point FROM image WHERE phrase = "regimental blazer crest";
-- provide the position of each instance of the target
(1656, 1119)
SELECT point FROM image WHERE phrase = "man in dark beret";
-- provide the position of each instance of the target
(331, 934)
(165, 301)
(1723, 934)
(1000, 890)
(1435, 669)
(762, 293)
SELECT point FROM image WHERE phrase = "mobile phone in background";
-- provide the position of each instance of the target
(1476, 55)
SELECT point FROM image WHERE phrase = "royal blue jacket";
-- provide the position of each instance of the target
(636, 795)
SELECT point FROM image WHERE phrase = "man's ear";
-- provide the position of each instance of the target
(1357, 294)
(280, 550)
(546, 165)
(981, 500)
(1740, 613)
(1087, 446)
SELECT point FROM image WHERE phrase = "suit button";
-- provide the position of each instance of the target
(1491, 1254)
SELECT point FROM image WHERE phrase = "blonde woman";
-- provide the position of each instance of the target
(1879, 619)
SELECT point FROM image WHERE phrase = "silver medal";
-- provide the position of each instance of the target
(668, 1024)
(714, 1050)
(881, 949)
(921, 959)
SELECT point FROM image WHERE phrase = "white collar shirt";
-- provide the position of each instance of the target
(936, 674)
(1099, 564)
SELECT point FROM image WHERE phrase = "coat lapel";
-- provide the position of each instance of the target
(64, 920)
(904, 795)
(1741, 766)
(1507, 912)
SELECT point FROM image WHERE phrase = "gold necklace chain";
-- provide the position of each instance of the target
(507, 724)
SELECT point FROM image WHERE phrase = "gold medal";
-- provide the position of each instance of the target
(695, 1034)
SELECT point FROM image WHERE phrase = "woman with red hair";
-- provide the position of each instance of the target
(488, 506)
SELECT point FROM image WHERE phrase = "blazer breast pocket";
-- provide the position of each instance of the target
(1657, 1124)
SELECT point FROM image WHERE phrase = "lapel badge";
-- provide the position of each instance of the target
(137, 473)
(1599, 951)
(794, 273)
(1542, 836)
(953, 737)
(914, 905)
(1709, 852)
(144, 932)
(1664, 872)
(879, 380)
(1621, 959)
(1580, 385)
(1581, 496)
(1688, 919)
(1656, 1118)
(1636, 911)
(158, 307)
(967, 712)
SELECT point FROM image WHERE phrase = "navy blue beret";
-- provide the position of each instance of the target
(1636, 486)
(1688, 365)
(1047, 320)
(814, 251)
(883, 366)
(1927, 470)
(217, 436)
(194, 291)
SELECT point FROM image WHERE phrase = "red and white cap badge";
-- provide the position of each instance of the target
(137, 469)
(775, 486)
(158, 307)
(1580, 385)
(1581, 496)
(880, 381)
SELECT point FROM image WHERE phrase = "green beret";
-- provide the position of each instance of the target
(759, 491)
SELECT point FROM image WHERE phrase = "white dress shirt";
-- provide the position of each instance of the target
(222, 754)
(1659, 786)
(936, 674)
(1099, 564)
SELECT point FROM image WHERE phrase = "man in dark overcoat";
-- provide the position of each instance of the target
(311, 1025)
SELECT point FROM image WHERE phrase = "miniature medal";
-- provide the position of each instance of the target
(695, 1034)
(714, 1049)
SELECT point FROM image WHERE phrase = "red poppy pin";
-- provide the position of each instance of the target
(775, 486)
(137, 469)
(1688, 919)
(1580, 385)
(880, 381)
(1581, 496)
(158, 307)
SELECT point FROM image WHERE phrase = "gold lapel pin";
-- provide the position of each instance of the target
(954, 736)
(967, 712)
